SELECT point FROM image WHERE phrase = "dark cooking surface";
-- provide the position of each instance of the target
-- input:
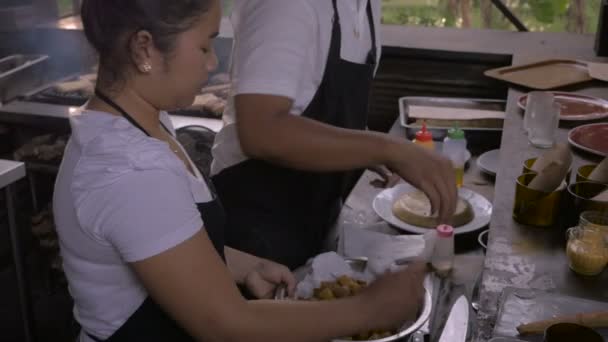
(79, 98)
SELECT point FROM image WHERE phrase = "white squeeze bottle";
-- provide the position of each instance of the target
(443, 253)
(455, 148)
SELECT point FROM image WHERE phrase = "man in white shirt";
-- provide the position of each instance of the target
(295, 125)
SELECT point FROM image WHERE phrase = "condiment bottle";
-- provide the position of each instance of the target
(455, 148)
(424, 138)
(443, 253)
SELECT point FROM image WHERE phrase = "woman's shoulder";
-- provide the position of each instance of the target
(111, 147)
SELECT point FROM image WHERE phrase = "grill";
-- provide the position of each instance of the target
(21, 73)
(197, 141)
(55, 97)
(209, 104)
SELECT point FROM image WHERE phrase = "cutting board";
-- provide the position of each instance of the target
(545, 74)
(519, 306)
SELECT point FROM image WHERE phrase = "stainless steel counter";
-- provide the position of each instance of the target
(525, 257)
(10, 172)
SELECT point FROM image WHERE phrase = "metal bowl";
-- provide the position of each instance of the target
(359, 265)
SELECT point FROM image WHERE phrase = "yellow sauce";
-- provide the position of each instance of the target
(587, 253)
(459, 176)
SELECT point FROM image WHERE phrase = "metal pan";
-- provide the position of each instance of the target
(20, 74)
(359, 265)
(439, 131)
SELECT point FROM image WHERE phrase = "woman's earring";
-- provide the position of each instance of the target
(146, 67)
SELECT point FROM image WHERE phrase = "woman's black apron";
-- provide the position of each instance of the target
(284, 214)
(150, 323)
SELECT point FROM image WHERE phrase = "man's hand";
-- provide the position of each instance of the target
(429, 172)
(387, 179)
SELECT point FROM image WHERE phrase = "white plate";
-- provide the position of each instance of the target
(383, 206)
(489, 161)
(599, 109)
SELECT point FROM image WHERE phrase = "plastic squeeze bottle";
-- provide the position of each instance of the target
(455, 148)
(443, 253)
(424, 138)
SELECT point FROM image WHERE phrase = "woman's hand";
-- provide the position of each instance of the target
(396, 297)
(263, 280)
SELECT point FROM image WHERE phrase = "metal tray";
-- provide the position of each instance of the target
(544, 75)
(461, 103)
(20, 74)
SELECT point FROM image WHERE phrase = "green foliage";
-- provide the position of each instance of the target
(546, 11)
(64, 7)
(537, 15)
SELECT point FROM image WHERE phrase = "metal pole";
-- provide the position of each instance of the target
(22, 284)
(507, 13)
(32, 181)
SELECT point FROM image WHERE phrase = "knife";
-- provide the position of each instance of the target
(457, 325)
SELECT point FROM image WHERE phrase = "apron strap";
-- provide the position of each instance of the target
(336, 37)
(373, 55)
(124, 113)
(94, 338)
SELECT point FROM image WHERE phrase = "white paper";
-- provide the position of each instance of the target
(447, 113)
(327, 267)
(383, 250)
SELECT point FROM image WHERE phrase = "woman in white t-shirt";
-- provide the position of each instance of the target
(141, 234)
(296, 126)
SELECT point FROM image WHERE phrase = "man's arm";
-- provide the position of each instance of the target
(269, 132)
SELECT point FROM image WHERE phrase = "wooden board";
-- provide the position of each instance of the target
(544, 75)
(518, 306)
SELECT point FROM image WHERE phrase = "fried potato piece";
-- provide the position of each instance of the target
(343, 287)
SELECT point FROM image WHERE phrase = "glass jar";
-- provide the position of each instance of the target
(587, 250)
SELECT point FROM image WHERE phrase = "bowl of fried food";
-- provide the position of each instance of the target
(350, 285)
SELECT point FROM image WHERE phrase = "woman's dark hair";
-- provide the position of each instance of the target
(107, 22)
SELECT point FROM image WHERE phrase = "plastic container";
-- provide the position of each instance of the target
(587, 252)
(443, 253)
(455, 148)
(424, 138)
(587, 247)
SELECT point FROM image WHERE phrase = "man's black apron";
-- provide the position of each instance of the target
(284, 214)
(150, 322)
